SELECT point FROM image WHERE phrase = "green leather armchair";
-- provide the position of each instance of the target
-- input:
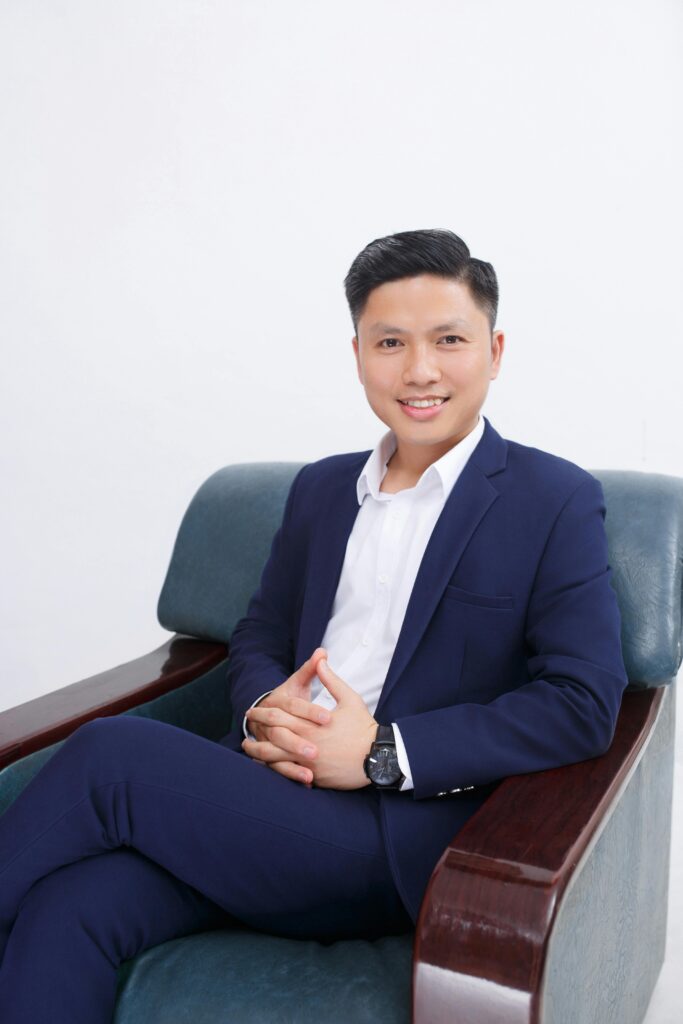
(548, 906)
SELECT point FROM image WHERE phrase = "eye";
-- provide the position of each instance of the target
(452, 337)
(382, 342)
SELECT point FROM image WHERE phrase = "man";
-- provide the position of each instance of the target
(458, 582)
(434, 615)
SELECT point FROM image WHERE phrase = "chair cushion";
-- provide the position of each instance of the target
(240, 975)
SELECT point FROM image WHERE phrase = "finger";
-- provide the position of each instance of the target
(263, 750)
(278, 716)
(300, 708)
(269, 751)
(295, 745)
(293, 771)
(304, 674)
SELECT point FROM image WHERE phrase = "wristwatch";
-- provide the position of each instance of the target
(381, 763)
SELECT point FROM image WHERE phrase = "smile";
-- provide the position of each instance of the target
(422, 408)
(422, 403)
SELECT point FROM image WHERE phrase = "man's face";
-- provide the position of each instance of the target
(425, 337)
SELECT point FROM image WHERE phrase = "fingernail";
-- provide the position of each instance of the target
(309, 751)
(323, 716)
(323, 662)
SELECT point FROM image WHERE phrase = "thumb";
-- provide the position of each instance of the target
(333, 683)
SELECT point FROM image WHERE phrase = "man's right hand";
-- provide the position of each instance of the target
(290, 734)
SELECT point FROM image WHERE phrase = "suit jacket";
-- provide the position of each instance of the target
(509, 657)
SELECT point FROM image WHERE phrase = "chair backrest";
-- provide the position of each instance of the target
(225, 537)
(221, 548)
(644, 525)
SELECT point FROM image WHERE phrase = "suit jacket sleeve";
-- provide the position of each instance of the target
(567, 711)
(262, 643)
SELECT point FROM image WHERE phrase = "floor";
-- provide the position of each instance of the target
(666, 1006)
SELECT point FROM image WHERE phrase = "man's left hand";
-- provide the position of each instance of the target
(342, 744)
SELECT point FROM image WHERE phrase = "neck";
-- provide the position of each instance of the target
(410, 461)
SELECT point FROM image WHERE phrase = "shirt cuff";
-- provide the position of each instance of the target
(402, 757)
(247, 734)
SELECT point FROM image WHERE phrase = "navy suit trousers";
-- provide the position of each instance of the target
(136, 832)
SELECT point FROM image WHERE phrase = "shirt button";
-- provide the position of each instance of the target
(383, 578)
(365, 643)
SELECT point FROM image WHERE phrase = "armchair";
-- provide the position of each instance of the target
(548, 906)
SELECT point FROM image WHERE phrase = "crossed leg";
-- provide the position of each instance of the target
(131, 810)
(79, 923)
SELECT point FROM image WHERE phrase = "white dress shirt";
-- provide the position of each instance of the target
(382, 558)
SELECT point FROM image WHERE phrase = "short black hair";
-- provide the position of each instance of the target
(409, 253)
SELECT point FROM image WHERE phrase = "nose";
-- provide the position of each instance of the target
(421, 366)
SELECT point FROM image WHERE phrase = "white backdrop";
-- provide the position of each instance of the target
(183, 186)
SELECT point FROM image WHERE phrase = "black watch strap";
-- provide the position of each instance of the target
(385, 734)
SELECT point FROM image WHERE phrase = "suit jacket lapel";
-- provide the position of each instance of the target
(466, 505)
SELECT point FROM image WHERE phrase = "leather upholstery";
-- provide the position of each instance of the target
(644, 525)
(221, 548)
(245, 977)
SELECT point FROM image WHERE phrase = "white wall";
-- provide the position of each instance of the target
(183, 186)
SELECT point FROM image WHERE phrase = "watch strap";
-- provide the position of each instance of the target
(385, 734)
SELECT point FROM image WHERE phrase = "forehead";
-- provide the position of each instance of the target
(420, 303)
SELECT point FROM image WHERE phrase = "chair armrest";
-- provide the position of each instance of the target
(482, 935)
(45, 720)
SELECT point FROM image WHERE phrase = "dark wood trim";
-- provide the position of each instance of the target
(54, 716)
(484, 925)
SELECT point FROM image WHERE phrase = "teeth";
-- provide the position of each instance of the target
(425, 404)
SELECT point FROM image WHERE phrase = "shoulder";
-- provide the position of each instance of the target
(546, 477)
(342, 467)
(537, 463)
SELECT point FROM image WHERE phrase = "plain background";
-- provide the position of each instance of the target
(183, 186)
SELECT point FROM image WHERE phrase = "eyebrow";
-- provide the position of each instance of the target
(382, 328)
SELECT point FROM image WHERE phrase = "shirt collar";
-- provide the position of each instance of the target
(444, 472)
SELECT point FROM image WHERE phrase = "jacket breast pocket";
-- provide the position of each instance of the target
(502, 602)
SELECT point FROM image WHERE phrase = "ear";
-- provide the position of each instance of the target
(356, 352)
(497, 348)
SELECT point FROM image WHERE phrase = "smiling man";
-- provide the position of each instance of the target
(435, 614)
(446, 596)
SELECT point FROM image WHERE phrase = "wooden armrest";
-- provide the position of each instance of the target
(490, 905)
(54, 716)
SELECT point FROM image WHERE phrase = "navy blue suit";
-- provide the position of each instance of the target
(509, 658)
(508, 661)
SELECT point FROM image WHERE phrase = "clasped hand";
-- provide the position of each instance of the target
(305, 741)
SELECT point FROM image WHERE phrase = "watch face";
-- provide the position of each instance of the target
(383, 766)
